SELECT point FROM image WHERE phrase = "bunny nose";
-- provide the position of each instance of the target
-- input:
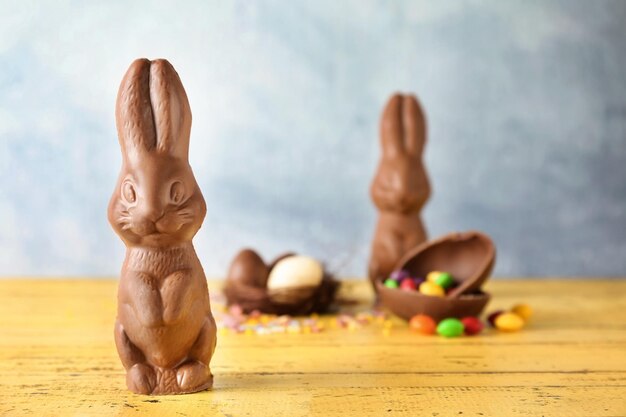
(144, 227)
(146, 220)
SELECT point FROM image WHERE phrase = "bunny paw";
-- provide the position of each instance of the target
(194, 376)
(141, 379)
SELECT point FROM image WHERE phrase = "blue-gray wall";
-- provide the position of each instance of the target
(526, 103)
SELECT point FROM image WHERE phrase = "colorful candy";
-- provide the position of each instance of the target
(418, 282)
(522, 310)
(432, 276)
(432, 289)
(491, 318)
(408, 284)
(422, 323)
(512, 320)
(509, 322)
(472, 325)
(399, 275)
(437, 282)
(391, 283)
(450, 328)
(443, 279)
(233, 320)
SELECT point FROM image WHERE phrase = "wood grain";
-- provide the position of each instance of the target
(57, 358)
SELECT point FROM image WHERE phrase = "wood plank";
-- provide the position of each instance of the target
(363, 359)
(57, 358)
(302, 395)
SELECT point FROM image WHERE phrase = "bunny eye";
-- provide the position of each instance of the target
(177, 192)
(128, 192)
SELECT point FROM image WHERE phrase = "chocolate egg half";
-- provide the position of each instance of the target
(469, 257)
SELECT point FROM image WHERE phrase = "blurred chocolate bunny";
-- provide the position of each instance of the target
(165, 333)
(400, 187)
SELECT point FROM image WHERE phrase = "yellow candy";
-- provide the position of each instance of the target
(293, 329)
(509, 322)
(432, 276)
(430, 288)
(522, 310)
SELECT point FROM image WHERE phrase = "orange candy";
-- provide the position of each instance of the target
(522, 310)
(422, 323)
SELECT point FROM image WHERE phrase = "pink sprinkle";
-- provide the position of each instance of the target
(235, 310)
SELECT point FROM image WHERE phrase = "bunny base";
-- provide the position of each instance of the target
(146, 380)
(143, 378)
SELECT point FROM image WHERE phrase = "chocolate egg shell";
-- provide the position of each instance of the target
(248, 268)
(469, 257)
(293, 301)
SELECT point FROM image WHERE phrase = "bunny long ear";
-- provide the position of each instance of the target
(172, 115)
(391, 127)
(133, 112)
(414, 124)
(403, 126)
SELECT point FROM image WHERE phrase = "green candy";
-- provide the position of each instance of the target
(450, 328)
(444, 280)
(391, 283)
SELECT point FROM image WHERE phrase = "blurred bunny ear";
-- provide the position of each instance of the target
(391, 127)
(172, 115)
(133, 112)
(414, 125)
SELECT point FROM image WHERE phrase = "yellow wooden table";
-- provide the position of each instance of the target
(57, 358)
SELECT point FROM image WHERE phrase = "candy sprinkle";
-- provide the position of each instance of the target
(234, 321)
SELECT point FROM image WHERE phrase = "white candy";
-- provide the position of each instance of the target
(294, 272)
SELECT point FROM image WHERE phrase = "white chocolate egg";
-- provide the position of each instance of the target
(294, 272)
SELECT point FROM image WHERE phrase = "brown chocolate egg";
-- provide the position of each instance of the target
(248, 268)
(469, 257)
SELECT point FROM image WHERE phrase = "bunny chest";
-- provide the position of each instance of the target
(158, 286)
(402, 230)
(395, 234)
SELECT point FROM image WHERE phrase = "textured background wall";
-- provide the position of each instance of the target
(526, 103)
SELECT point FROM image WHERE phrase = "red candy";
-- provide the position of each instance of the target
(493, 316)
(472, 325)
(408, 284)
(422, 323)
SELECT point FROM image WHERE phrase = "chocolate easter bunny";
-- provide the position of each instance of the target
(400, 187)
(165, 333)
